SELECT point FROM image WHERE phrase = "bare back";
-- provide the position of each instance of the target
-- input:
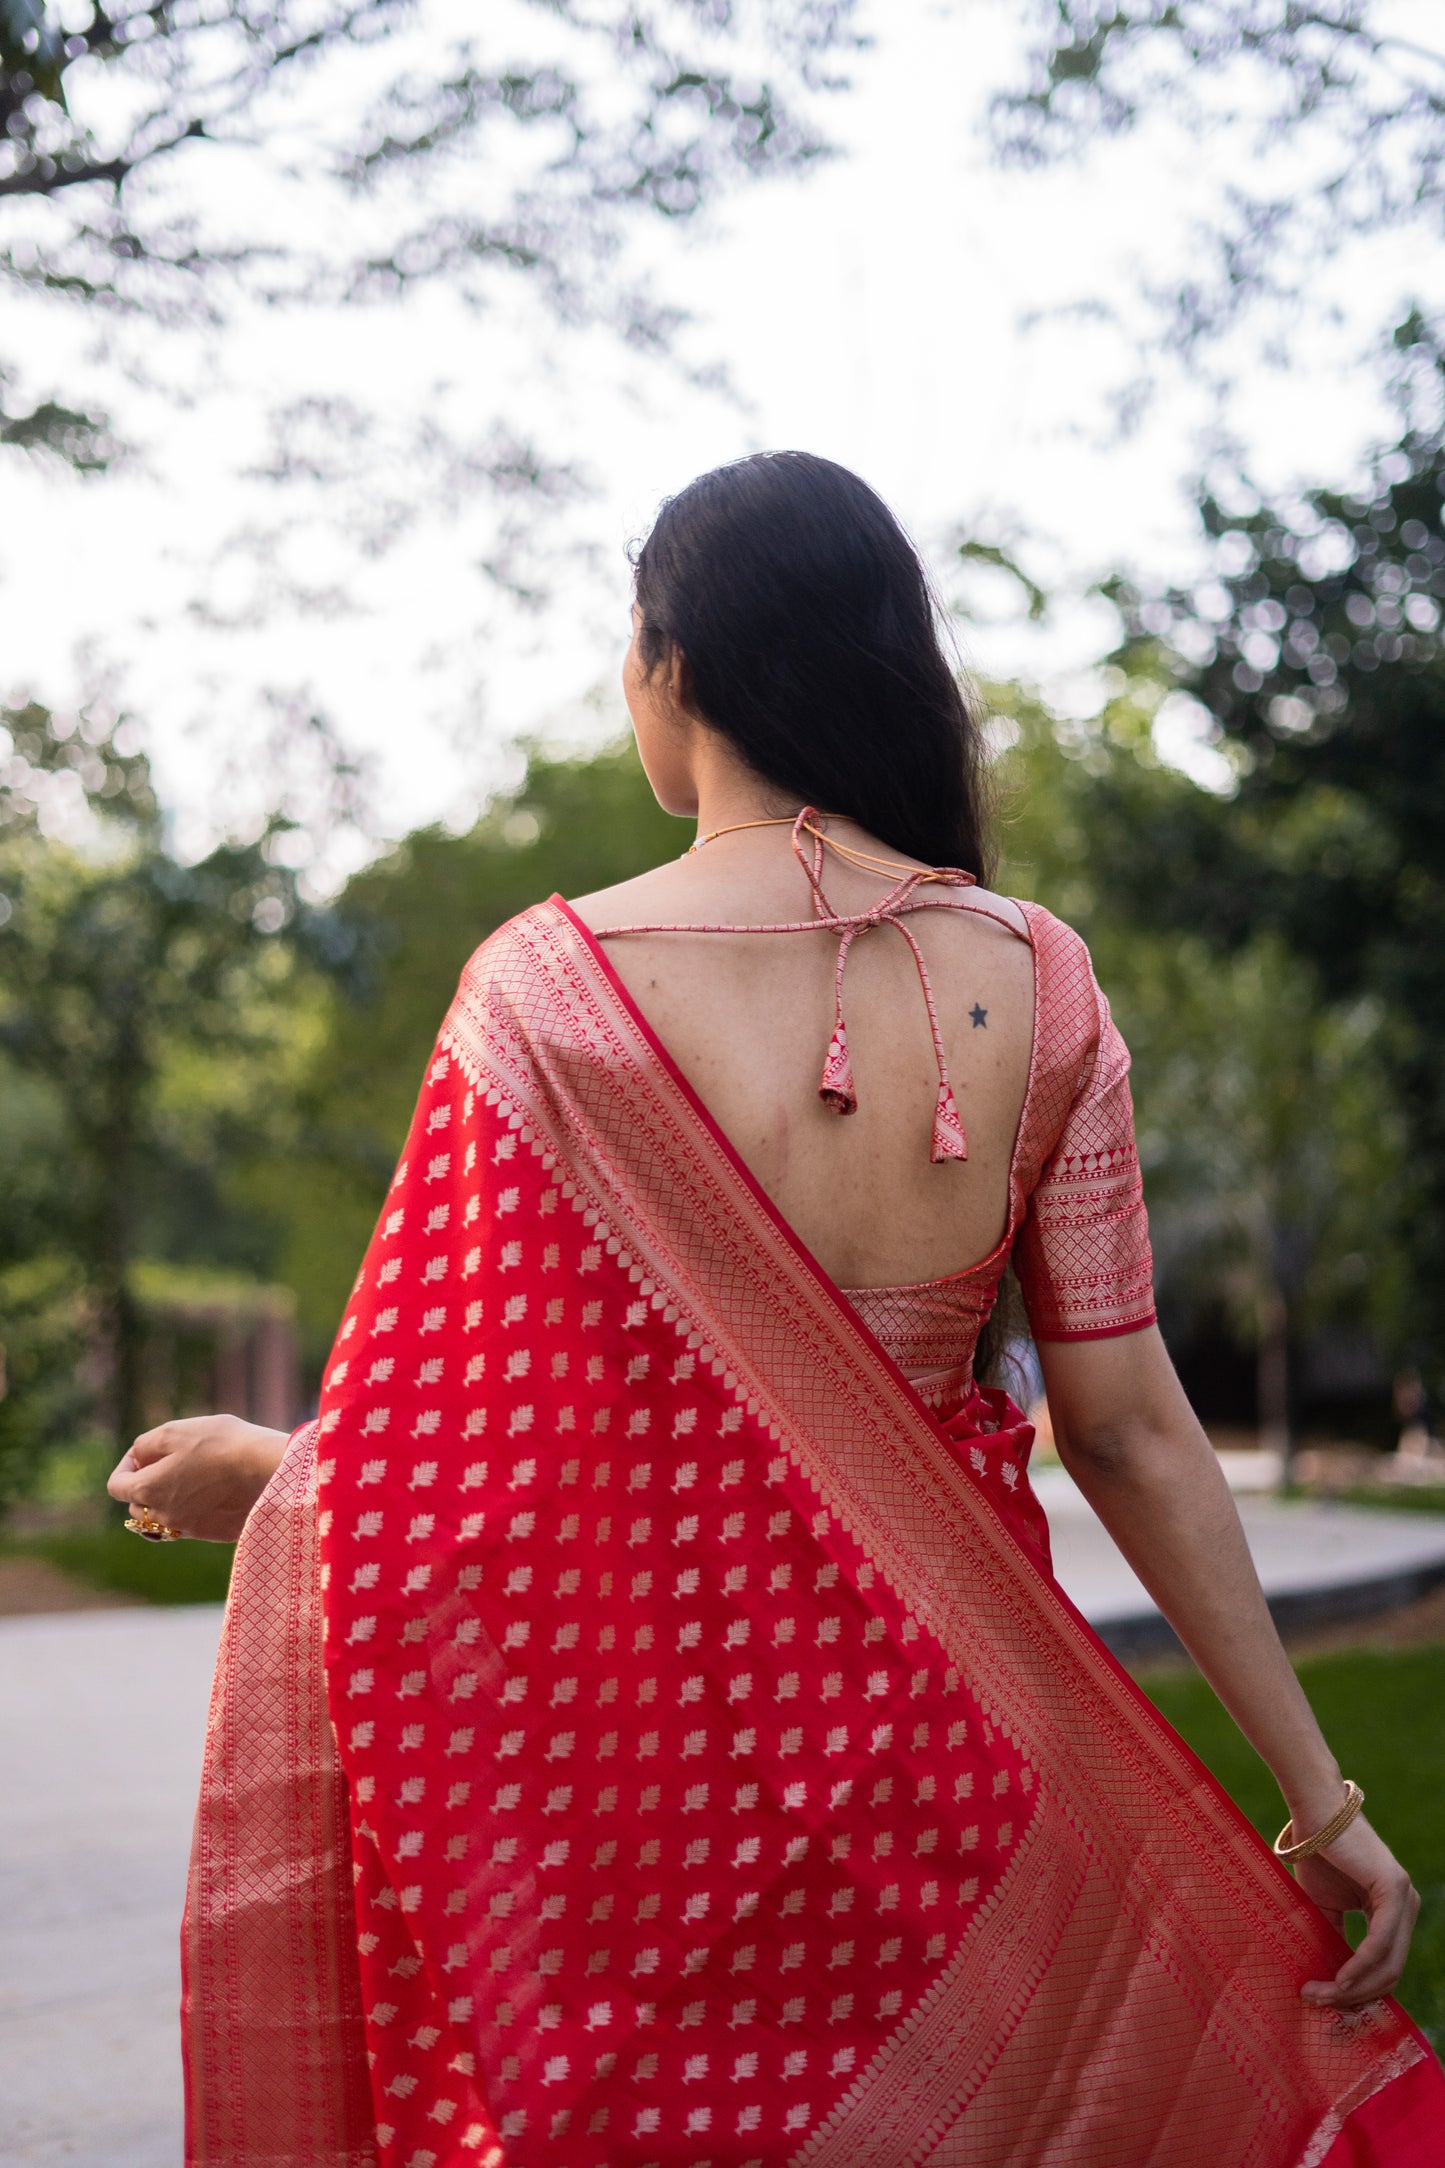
(748, 1016)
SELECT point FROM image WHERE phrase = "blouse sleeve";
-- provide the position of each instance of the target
(1082, 1254)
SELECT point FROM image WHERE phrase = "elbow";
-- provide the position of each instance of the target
(1108, 1449)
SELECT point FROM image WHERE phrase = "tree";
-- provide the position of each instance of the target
(435, 150)
(1268, 1133)
(145, 1011)
(1334, 111)
(1313, 651)
(411, 920)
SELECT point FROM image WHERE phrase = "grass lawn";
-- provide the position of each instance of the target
(1391, 1499)
(110, 1558)
(1381, 1710)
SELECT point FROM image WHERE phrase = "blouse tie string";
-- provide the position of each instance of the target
(836, 1088)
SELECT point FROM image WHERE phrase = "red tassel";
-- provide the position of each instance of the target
(836, 1088)
(949, 1141)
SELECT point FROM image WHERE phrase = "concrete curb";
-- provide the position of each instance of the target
(1149, 1634)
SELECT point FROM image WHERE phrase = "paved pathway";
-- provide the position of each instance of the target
(1316, 1560)
(101, 1717)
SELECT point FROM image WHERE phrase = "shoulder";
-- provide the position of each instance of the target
(519, 950)
(1070, 1010)
(519, 989)
(1058, 949)
(1061, 959)
(520, 932)
(1002, 911)
(1051, 936)
(664, 891)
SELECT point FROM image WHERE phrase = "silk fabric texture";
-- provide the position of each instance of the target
(645, 1734)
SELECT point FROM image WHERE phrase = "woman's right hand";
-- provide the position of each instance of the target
(201, 1475)
(1359, 1873)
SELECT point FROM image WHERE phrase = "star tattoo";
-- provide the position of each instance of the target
(979, 1016)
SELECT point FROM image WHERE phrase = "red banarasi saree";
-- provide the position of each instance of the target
(648, 1735)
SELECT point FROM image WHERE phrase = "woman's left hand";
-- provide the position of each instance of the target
(201, 1475)
(1359, 1873)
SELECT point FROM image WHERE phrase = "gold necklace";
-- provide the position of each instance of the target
(865, 859)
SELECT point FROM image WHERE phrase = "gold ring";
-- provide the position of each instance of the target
(143, 1522)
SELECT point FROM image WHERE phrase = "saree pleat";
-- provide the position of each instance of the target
(729, 1781)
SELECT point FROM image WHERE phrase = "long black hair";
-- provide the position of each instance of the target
(812, 643)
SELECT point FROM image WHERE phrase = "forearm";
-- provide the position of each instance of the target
(1163, 1498)
(1128, 1436)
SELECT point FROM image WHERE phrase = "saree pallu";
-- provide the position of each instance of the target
(707, 1771)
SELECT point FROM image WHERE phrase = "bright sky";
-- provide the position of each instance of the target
(895, 310)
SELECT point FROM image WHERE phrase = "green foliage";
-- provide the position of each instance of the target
(44, 1392)
(81, 442)
(415, 916)
(111, 1558)
(677, 120)
(33, 46)
(207, 1081)
(53, 761)
(147, 1012)
(1332, 115)
(572, 126)
(1376, 1711)
(1316, 650)
(1264, 1122)
(1273, 1157)
(1401, 1498)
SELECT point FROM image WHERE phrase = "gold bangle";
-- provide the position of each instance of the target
(1286, 1848)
